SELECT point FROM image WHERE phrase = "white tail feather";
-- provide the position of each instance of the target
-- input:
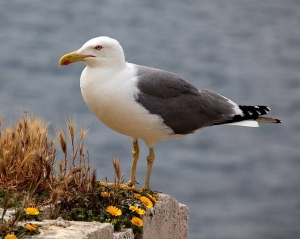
(247, 123)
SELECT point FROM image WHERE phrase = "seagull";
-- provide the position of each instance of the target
(151, 104)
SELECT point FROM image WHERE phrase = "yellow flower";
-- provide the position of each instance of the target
(132, 208)
(146, 201)
(31, 227)
(137, 221)
(141, 211)
(31, 211)
(137, 210)
(114, 211)
(10, 236)
(105, 194)
(153, 199)
(137, 195)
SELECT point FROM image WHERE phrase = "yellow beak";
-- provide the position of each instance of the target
(71, 58)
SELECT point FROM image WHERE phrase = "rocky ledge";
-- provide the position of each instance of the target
(167, 220)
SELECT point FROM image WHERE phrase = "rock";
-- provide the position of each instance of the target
(124, 234)
(60, 222)
(36, 223)
(167, 220)
(76, 230)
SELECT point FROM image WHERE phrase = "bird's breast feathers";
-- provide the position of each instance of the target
(111, 97)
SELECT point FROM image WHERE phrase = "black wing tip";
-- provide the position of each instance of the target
(254, 111)
(267, 109)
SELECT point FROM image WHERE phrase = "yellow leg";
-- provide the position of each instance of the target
(135, 156)
(150, 161)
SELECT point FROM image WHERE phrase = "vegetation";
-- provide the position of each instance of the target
(29, 159)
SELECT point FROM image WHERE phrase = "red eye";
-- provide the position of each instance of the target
(98, 47)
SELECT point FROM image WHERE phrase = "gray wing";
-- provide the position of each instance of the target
(181, 105)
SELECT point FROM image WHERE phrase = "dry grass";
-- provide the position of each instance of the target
(28, 158)
(35, 172)
(26, 155)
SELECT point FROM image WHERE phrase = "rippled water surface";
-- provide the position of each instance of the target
(237, 182)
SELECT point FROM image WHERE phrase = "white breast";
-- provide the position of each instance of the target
(110, 96)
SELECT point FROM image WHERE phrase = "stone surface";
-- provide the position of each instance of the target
(75, 230)
(167, 220)
(8, 214)
(124, 234)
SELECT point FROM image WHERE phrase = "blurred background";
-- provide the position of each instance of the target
(237, 182)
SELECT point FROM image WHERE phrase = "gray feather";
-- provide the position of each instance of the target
(181, 105)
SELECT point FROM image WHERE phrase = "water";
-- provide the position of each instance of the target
(237, 182)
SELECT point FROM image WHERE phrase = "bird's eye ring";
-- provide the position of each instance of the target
(98, 47)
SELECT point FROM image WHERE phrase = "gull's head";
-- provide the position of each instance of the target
(97, 52)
